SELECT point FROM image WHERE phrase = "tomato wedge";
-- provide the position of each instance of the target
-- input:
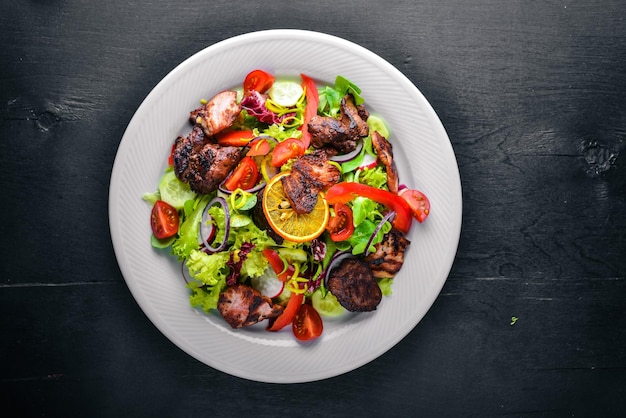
(341, 225)
(418, 202)
(307, 323)
(286, 150)
(258, 80)
(295, 301)
(259, 146)
(244, 176)
(170, 160)
(312, 102)
(234, 138)
(278, 265)
(164, 220)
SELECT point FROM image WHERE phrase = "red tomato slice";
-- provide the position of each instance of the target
(295, 301)
(341, 225)
(418, 202)
(170, 160)
(286, 150)
(258, 80)
(164, 220)
(244, 176)
(260, 146)
(307, 323)
(234, 138)
(278, 265)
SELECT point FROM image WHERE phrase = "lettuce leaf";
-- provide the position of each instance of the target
(205, 297)
(208, 269)
(189, 229)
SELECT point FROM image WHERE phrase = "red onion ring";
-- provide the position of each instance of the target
(349, 156)
(185, 272)
(206, 217)
(386, 218)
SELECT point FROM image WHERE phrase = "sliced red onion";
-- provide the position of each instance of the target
(402, 187)
(388, 217)
(335, 260)
(349, 156)
(185, 271)
(369, 161)
(206, 217)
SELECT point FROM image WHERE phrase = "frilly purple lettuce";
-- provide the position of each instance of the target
(254, 104)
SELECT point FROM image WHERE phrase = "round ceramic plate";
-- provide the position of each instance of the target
(425, 161)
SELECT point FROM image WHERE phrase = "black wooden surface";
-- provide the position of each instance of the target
(532, 95)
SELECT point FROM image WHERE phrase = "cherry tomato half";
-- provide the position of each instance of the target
(258, 80)
(234, 138)
(244, 176)
(164, 220)
(418, 202)
(307, 324)
(286, 150)
(341, 225)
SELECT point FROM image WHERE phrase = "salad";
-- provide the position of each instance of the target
(283, 204)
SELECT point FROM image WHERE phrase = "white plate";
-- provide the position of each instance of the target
(425, 161)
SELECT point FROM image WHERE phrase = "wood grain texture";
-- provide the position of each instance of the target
(532, 97)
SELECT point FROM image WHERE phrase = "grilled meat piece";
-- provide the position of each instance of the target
(385, 155)
(388, 257)
(354, 286)
(184, 147)
(310, 174)
(242, 306)
(326, 130)
(202, 164)
(218, 114)
(341, 134)
(355, 115)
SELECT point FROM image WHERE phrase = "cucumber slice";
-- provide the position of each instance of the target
(285, 93)
(293, 255)
(326, 305)
(174, 191)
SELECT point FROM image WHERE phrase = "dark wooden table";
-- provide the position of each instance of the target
(532, 95)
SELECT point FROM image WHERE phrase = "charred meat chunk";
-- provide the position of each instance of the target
(202, 164)
(341, 134)
(354, 286)
(385, 155)
(388, 257)
(184, 147)
(310, 174)
(242, 306)
(218, 114)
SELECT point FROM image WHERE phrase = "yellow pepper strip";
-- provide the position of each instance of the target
(293, 284)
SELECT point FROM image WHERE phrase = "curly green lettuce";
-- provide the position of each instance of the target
(189, 229)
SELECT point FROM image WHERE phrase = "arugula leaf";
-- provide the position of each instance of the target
(343, 85)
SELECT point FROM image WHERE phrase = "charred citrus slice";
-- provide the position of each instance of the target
(285, 221)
